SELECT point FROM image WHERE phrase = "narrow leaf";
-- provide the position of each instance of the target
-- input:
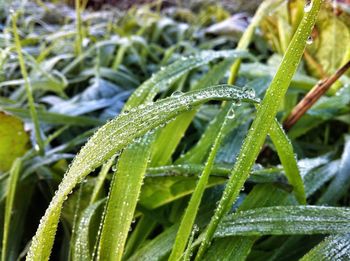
(292, 220)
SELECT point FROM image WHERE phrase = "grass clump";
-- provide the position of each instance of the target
(185, 156)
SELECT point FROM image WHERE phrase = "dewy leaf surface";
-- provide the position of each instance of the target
(263, 121)
(336, 247)
(112, 137)
(292, 220)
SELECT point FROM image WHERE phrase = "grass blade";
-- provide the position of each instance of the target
(263, 121)
(27, 85)
(112, 137)
(285, 153)
(11, 191)
(335, 247)
(189, 217)
(292, 220)
(122, 200)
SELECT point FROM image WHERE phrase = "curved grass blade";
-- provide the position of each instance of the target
(263, 121)
(285, 153)
(170, 136)
(112, 137)
(82, 244)
(335, 247)
(164, 78)
(291, 220)
(122, 200)
(238, 247)
(189, 217)
(11, 191)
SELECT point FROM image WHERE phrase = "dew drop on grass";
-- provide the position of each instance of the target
(309, 40)
(176, 93)
(231, 114)
(308, 6)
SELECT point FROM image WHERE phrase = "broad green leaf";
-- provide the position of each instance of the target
(336, 247)
(114, 136)
(263, 121)
(13, 139)
(291, 220)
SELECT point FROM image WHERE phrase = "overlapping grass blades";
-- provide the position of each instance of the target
(112, 137)
(263, 121)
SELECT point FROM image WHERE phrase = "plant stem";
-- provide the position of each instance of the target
(262, 123)
(27, 85)
(313, 96)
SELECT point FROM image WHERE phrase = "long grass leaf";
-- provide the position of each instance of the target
(285, 153)
(189, 217)
(11, 191)
(122, 200)
(263, 121)
(164, 78)
(291, 220)
(27, 85)
(336, 247)
(112, 137)
(341, 183)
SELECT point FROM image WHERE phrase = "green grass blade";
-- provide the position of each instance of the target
(82, 244)
(101, 179)
(169, 137)
(164, 78)
(291, 220)
(122, 200)
(143, 228)
(11, 191)
(263, 121)
(335, 247)
(189, 217)
(112, 137)
(158, 248)
(246, 38)
(285, 153)
(341, 183)
(238, 248)
(27, 85)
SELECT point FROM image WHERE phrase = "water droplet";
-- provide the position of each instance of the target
(36, 147)
(176, 94)
(231, 114)
(309, 40)
(114, 168)
(308, 6)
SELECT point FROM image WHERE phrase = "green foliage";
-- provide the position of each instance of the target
(177, 165)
